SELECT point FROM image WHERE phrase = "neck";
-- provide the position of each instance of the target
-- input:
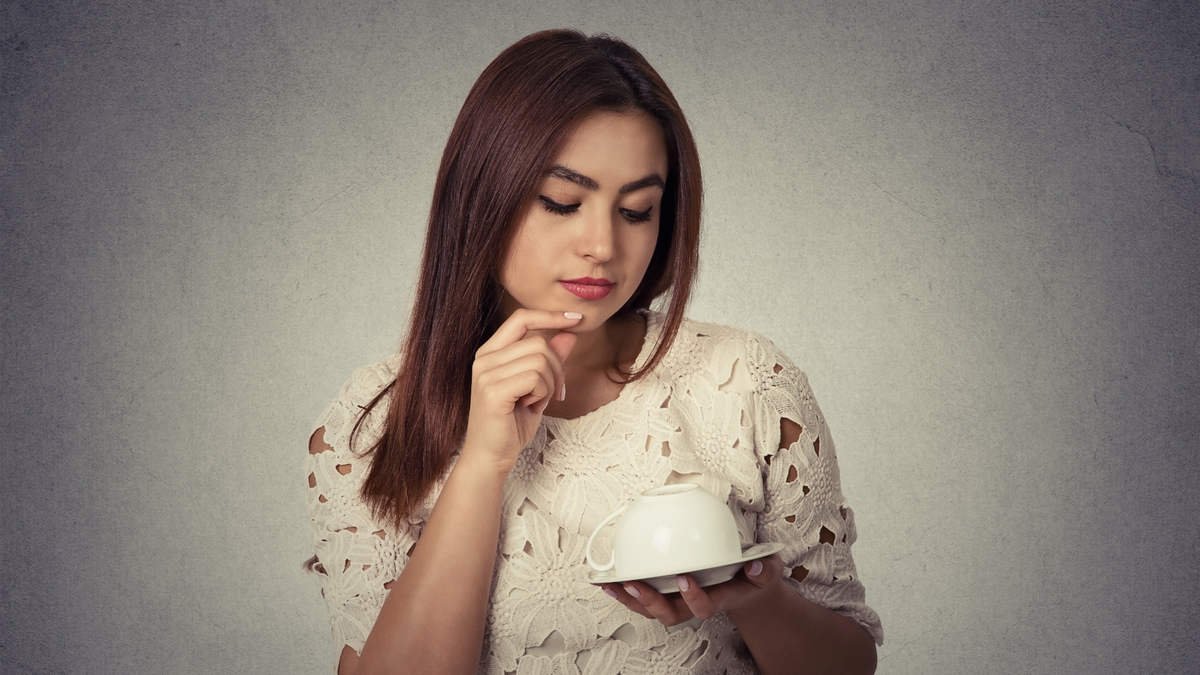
(617, 341)
(591, 378)
(595, 349)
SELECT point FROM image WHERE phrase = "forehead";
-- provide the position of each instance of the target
(615, 146)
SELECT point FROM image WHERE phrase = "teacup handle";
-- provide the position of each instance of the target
(612, 558)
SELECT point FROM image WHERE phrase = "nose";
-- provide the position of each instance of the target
(596, 239)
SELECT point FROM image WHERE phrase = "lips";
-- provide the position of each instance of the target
(588, 288)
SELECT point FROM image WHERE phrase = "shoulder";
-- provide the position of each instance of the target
(719, 335)
(342, 414)
(336, 468)
(366, 382)
(734, 356)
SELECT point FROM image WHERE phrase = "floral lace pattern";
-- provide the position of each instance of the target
(712, 413)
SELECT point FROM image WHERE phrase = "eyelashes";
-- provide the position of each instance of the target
(556, 208)
(567, 209)
(637, 216)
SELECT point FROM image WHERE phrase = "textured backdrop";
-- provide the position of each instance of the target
(975, 225)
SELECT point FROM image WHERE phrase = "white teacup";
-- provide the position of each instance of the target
(670, 530)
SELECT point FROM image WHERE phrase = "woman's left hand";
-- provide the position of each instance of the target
(759, 578)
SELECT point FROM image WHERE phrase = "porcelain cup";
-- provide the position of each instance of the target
(670, 530)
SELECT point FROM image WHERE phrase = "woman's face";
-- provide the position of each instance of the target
(587, 236)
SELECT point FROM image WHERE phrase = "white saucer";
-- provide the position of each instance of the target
(708, 576)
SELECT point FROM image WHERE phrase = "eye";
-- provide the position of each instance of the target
(556, 208)
(637, 216)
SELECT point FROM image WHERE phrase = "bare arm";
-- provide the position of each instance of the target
(433, 618)
(787, 633)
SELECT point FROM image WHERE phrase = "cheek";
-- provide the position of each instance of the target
(527, 258)
(646, 243)
(508, 263)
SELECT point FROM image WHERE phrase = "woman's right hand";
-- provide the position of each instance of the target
(515, 374)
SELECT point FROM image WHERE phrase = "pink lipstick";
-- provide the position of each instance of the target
(588, 288)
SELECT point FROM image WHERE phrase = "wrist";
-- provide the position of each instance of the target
(764, 603)
(482, 465)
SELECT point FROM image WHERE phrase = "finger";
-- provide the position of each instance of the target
(562, 343)
(764, 570)
(697, 600)
(660, 608)
(521, 381)
(536, 402)
(618, 593)
(521, 322)
(533, 344)
(532, 354)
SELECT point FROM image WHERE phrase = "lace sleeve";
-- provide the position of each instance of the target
(356, 557)
(805, 508)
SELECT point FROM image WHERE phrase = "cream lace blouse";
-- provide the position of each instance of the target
(710, 413)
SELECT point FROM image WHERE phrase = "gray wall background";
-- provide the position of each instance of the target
(974, 224)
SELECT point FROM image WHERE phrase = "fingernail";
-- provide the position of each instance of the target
(542, 407)
(755, 568)
(683, 582)
(632, 590)
(573, 315)
(610, 592)
(562, 395)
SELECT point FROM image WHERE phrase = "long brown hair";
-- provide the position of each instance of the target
(518, 113)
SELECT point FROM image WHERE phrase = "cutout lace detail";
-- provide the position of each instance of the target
(718, 411)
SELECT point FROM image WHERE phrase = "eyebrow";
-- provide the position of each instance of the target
(559, 171)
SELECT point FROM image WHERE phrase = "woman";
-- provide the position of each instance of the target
(452, 487)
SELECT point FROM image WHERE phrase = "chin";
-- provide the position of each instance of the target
(591, 321)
